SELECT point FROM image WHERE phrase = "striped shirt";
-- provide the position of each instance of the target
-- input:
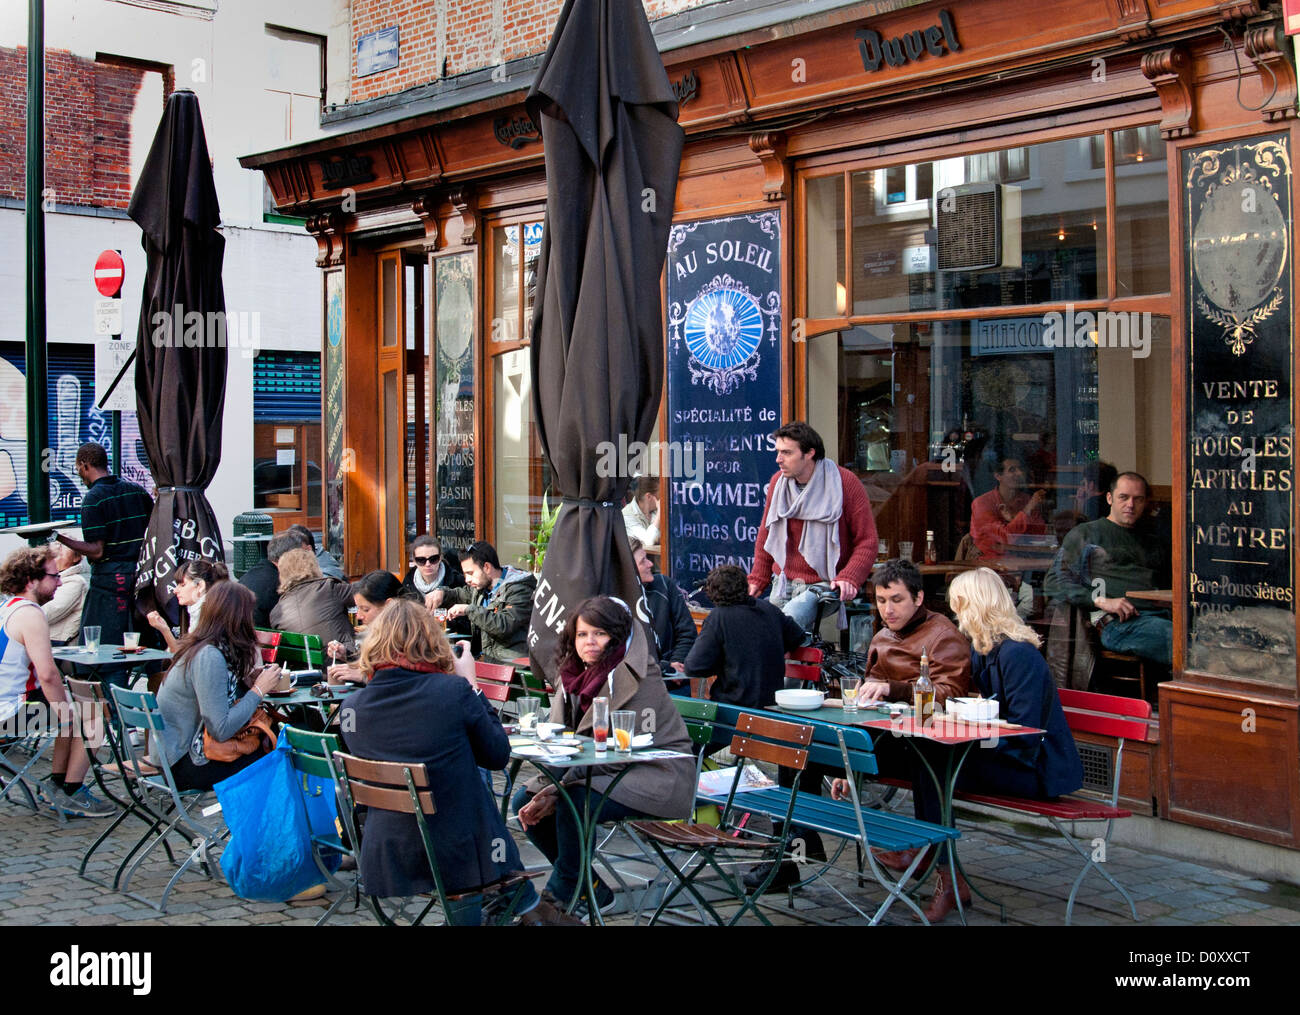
(116, 512)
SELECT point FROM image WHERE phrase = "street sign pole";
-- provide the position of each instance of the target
(110, 273)
(38, 424)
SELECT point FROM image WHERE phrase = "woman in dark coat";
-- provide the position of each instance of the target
(421, 705)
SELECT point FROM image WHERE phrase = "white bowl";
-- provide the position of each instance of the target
(803, 699)
(977, 709)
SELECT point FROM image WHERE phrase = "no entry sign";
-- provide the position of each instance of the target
(109, 272)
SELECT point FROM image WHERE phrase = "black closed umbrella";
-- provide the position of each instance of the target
(608, 119)
(180, 368)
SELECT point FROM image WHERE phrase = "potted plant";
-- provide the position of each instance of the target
(541, 538)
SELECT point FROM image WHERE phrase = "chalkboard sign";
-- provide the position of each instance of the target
(332, 413)
(454, 399)
(1241, 410)
(724, 387)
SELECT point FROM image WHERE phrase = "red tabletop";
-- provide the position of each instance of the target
(949, 729)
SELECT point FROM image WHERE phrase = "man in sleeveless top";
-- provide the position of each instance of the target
(29, 679)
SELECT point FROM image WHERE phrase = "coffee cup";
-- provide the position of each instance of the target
(286, 682)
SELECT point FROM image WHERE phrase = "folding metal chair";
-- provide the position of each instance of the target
(178, 809)
(312, 756)
(20, 752)
(91, 707)
(784, 744)
(698, 716)
(404, 788)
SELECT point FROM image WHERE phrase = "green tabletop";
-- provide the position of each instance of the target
(108, 655)
(301, 695)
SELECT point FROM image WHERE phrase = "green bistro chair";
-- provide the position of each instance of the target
(178, 810)
(396, 786)
(711, 848)
(91, 707)
(312, 754)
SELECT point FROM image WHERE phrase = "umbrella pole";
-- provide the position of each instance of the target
(38, 424)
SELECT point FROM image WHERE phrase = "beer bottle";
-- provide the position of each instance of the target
(931, 550)
(923, 693)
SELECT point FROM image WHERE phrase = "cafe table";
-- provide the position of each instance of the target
(554, 769)
(301, 697)
(108, 655)
(954, 735)
(1161, 597)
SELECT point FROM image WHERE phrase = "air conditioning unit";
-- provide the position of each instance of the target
(979, 227)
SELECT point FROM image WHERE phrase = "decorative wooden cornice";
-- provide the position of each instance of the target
(770, 149)
(1234, 10)
(426, 206)
(734, 88)
(1267, 46)
(327, 228)
(1170, 71)
(463, 201)
(1132, 19)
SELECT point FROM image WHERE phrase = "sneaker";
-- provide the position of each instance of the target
(83, 804)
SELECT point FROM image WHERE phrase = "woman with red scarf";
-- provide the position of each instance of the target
(602, 654)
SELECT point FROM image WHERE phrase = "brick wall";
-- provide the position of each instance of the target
(88, 109)
(474, 36)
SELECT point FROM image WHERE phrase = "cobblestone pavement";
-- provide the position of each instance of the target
(39, 885)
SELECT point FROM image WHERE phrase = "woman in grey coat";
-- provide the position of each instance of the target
(603, 654)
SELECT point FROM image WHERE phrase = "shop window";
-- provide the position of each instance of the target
(520, 476)
(1043, 233)
(927, 412)
(825, 264)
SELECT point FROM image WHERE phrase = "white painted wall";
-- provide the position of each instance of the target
(240, 72)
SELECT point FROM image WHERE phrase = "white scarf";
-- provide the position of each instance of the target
(423, 587)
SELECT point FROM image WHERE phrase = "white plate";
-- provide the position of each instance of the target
(537, 751)
(563, 742)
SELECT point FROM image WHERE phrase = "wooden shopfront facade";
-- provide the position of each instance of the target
(941, 233)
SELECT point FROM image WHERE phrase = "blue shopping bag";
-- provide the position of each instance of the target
(269, 858)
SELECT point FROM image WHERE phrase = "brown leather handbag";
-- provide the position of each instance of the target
(258, 737)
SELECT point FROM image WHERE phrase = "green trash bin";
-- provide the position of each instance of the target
(253, 530)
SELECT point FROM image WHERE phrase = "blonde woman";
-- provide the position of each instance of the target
(309, 602)
(420, 704)
(1006, 665)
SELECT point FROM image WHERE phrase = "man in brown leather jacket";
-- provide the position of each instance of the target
(894, 658)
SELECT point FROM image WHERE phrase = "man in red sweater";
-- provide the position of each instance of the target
(1006, 509)
(817, 528)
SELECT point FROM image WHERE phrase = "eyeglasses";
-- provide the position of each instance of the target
(424, 561)
(55, 575)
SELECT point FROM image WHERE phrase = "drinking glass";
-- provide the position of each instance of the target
(91, 636)
(529, 707)
(849, 687)
(624, 729)
(905, 550)
(130, 639)
(440, 615)
(600, 723)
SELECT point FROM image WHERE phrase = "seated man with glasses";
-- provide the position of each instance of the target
(29, 678)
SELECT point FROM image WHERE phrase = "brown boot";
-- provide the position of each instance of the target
(944, 900)
(546, 914)
(900, 860)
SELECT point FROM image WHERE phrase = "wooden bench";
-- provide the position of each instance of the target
(1086, 712)
(850, 750)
